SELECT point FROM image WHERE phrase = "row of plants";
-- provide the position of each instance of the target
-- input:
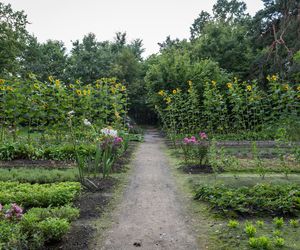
(235, 107)
(31, 230)
(38, 175)
(36, 151)
(276, 233)
(43, 106)
(39, 195)
(260, 199)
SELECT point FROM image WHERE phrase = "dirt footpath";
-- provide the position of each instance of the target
(151, 216)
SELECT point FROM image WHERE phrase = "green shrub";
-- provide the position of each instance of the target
(53, 228)
(10, 236)
(66, 212)
(21, 150)
(38, 195)
(261, 198)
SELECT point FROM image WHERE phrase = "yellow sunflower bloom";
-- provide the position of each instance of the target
(168, 100)
(214, 83)
(274, 78)
(51, 79)
(78, 91)
(249, 87)
(174, 91)
(161, 93)
(286, 87)
(229, 85)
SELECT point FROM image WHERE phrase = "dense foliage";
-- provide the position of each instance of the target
(259, 199)
(39, 195)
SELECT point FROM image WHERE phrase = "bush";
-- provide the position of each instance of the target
(21, 150)
(261, 198)
(38, 195)
(10, 236)
(53, 228)
(36, 226)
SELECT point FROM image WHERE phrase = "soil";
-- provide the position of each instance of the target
(198, 169)
(91, 205)
(151, 215)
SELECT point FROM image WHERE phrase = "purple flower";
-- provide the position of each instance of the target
(16, 208)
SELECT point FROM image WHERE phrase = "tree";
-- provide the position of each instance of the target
(199, 24)
(230, 11)
(276, 32)
(13, 35)
(227, 44)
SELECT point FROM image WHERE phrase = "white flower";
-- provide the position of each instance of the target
(72, 112)
(110, 132)
(87, 122)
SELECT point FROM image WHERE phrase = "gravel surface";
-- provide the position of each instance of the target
(151, 215)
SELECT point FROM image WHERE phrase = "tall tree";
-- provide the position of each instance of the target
(13, 35)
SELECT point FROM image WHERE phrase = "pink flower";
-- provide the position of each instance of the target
(193, 139)
(186, 140)
(1, 207)
(203, 135)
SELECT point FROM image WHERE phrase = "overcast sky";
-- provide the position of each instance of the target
(150, 20)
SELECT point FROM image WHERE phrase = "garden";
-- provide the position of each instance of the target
(239, 164)
(226, 103)
(59, 145)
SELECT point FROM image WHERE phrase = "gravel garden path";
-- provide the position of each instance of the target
(151, 214)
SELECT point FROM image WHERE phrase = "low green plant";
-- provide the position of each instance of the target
(277, 233)
(294, 223)
(278, 222)
(260, 223)
(38, 175)
(279, 242)
(250, 230)
(262, 242)
(39, 195)
(261, 198)
(53, 229)
(233, 224)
